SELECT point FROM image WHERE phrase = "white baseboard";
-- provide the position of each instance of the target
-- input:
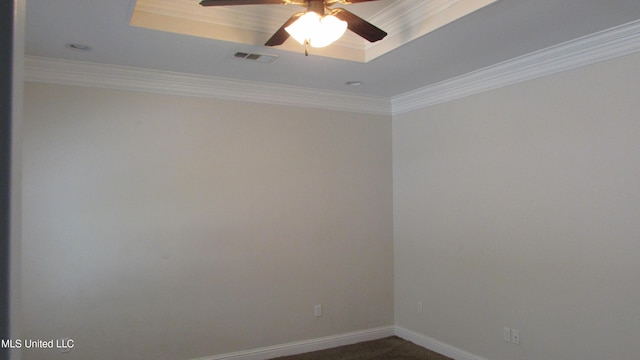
(299, 347)
(435, 345)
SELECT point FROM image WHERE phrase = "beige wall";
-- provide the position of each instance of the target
(159, 226)
(520, 207)
(165, 227)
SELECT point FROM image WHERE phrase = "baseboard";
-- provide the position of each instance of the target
(435, 345)
(299, 347)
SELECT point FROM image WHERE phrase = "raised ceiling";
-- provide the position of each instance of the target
(403, 20)
(499, 32)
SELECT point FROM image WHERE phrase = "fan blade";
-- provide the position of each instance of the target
(282, 35)
(240, 2)
(345, 2)
(359, 25)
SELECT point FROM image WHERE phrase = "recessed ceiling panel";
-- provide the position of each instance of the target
(403, 20)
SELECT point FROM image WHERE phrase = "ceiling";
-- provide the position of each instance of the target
(404, 20)
(498, 32)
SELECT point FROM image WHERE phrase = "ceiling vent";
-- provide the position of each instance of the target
(261, 58)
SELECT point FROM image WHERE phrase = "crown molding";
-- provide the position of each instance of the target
(605, 45)
(67, 72)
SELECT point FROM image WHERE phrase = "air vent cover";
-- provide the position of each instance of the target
(262, 58)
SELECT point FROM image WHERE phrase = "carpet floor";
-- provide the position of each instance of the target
(390, 348)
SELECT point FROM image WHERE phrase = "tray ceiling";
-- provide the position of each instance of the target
(404, 20)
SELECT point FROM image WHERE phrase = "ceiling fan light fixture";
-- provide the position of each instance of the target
(316, 30)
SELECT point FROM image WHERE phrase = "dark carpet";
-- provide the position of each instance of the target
(390, 348)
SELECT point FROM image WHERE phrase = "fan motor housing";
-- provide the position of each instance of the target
(316, 6)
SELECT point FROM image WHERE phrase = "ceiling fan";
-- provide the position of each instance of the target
(319, 26)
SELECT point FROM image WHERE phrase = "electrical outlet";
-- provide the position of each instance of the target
(317, 310)
(506, 334)
(515, 336)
